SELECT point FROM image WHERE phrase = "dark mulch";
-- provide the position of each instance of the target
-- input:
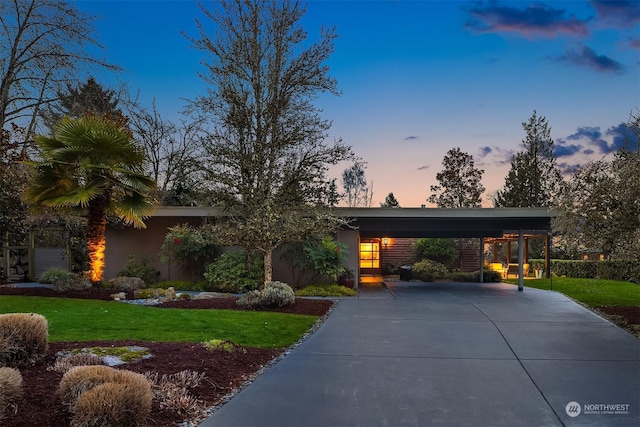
(624, 316)
(224, 371)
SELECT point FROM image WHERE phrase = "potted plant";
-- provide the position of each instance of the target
(347, 278)
(538, 268)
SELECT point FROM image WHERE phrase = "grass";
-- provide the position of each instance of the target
(85, 320)
(592, 292)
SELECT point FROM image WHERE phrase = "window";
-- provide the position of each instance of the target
(370, 255)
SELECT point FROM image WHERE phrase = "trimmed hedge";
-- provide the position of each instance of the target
(488, 276)
(628, 271)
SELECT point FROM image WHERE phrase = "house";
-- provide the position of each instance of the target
(378, 236)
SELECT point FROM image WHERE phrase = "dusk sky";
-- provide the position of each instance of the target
(421, 77)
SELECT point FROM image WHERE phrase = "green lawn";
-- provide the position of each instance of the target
(592, 292)
(84, 320)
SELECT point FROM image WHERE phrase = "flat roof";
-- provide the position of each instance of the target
(418, 222)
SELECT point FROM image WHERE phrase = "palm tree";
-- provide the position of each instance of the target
(92, 165)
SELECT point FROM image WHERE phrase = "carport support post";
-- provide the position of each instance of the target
(482, 259)
(520, 261)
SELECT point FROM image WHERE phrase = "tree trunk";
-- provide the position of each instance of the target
(268, 266)
(96, 242)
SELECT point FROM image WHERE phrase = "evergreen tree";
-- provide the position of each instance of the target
(460, 182)
(534, 179)
(390, 202)
(87, 98)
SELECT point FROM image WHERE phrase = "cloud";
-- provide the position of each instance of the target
(494, 156)
(620, 14)
(622, 137)
(590, 133)
(534, 20)
(411, 138)
(421, 168)
(563, 149)
(484, 152)
(634, 43)
(586, 57)
(617, 137)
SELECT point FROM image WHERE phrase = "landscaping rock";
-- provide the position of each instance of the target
(119, 296)
(127, 283)
(210, 295)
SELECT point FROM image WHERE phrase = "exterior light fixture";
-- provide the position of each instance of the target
(385, 242)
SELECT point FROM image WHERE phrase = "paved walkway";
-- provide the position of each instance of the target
(450, 354)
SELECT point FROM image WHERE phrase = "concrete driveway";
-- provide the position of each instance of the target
(450, 354)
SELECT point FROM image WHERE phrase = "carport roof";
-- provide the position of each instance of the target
(420, 222)
(440, 222)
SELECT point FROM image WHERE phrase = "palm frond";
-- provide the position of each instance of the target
(133, 209)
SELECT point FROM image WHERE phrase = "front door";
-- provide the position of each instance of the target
(370, 257)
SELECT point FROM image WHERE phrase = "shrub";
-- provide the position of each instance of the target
(172, 392)
(65, 363)
(10, 389)
(24, 337)
(428, 270)
(79, 379)
(327, 256)
(102, 405)
(326, 291)
(143, 269)
(628, 271)
(222, 345)
(488, 276)
(440, 250)
(114, 404)
(234, 272)
(62, 280)
(273, 294)
(189, 246)
(55, 274)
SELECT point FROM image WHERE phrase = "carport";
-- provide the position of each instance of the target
(513, 224)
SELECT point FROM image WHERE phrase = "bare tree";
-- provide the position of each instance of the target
(173, 151)
(267, 158)
(43, 47)
(357, 192)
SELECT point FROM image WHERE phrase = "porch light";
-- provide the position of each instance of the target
(385, 242)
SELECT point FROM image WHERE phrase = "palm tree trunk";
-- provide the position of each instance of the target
(96, 242)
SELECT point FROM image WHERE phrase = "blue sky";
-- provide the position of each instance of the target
(421, 77)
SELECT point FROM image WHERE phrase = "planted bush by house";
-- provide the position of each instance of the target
(272, 294)
(234, 272)
(326, 291)
(428, 270)
(62, 280)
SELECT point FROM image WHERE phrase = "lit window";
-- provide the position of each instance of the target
(370, 255)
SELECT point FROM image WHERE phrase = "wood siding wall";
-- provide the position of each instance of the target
(398, 252)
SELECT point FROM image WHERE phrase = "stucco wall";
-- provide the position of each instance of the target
(123, 242)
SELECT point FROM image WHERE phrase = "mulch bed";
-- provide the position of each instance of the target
(225, 372)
